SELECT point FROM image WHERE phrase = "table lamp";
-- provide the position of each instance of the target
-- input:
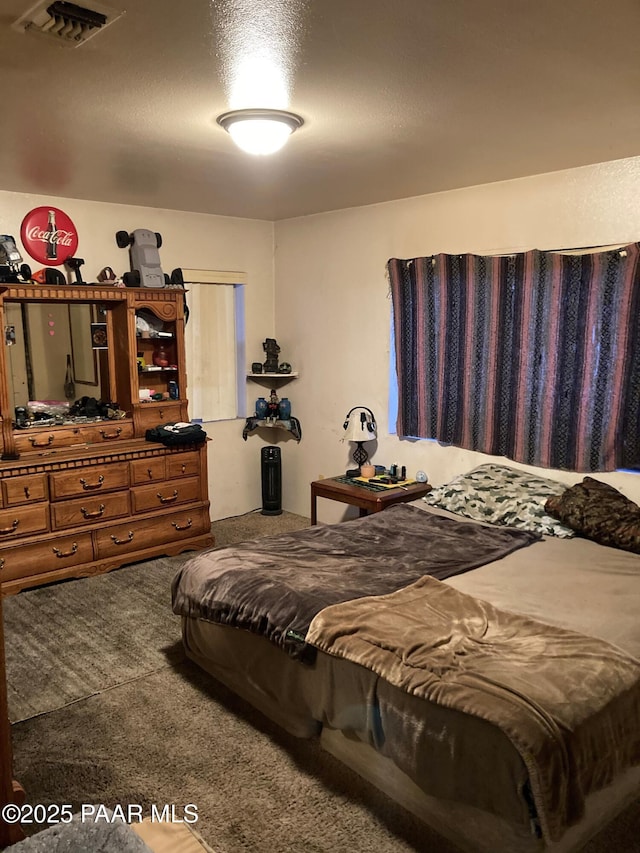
(359, 426)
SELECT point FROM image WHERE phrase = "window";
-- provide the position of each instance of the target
(533, 356)
(215, 346)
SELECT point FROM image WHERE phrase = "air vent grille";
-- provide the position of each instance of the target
(69, 24)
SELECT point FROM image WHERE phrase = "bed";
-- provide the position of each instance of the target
(481, 666)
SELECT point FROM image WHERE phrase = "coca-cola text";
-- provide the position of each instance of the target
(62, 238)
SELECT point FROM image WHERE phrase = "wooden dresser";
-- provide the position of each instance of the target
(84, 493)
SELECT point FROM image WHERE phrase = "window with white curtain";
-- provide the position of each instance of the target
(215, 346)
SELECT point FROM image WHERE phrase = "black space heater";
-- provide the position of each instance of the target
(271, 469)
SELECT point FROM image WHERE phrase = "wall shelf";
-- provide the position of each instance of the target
(291, 425)
(272, 380)
(293, 375)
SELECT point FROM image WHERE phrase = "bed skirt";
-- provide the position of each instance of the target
(480, 808)
(471, 829)
(256, 670)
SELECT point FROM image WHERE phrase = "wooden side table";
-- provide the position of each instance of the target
(365, 499)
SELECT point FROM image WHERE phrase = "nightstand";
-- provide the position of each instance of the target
(367, 500)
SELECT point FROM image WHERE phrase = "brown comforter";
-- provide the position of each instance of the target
(275, 586)
(569, 703)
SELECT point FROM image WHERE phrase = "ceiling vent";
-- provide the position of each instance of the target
(69, 24)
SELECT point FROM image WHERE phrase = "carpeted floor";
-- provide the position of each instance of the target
(115, 716)
(175, 736)
(69, 640)
(66, 641)
(252, 525)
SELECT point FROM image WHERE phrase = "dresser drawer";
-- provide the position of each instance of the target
(167, 494)
(92, 509)
(146, 533)
(24, 490)
(53, 438)
(153, 414)
(48, 439)
(183, 465)
(108, 431)
(148, 470)
(41, 557)
(90, 480)
(23, 520)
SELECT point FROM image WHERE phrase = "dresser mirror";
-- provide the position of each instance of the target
(50, 358)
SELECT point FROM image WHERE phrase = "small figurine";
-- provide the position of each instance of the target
(273, 407)
(270, 346)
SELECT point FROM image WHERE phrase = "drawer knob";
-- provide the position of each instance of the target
(92, 514)
(36, 443)
(27, 493)
(170, 499)
(107, 435)
(1, 563)
(62, 554)
(117, 541)
(182, 526)
(11, 529)
(88, 486)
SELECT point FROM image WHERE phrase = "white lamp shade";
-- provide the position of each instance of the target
(358, 429)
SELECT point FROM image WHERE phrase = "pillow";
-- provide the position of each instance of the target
(501, 495)
(598, 511)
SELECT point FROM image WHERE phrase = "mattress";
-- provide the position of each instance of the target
(574, 584)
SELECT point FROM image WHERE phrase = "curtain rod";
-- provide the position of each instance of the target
(567, 250)
(588, 248)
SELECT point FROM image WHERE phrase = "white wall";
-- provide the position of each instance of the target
(331, 312)
(333, 305)
(193, 241)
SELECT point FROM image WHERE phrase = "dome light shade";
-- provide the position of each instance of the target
(260, 131)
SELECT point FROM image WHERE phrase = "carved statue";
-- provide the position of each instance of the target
(271, 348)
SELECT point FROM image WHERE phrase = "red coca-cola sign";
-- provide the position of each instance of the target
(49, 235)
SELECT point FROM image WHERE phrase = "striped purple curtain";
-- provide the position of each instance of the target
(534, 356)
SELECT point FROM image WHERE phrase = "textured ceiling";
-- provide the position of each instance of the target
(399, 99)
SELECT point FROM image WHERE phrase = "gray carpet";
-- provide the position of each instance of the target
(123, 718)
(176, 737)
(69, 640)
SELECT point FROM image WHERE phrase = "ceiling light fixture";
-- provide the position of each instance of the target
(260, 131)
